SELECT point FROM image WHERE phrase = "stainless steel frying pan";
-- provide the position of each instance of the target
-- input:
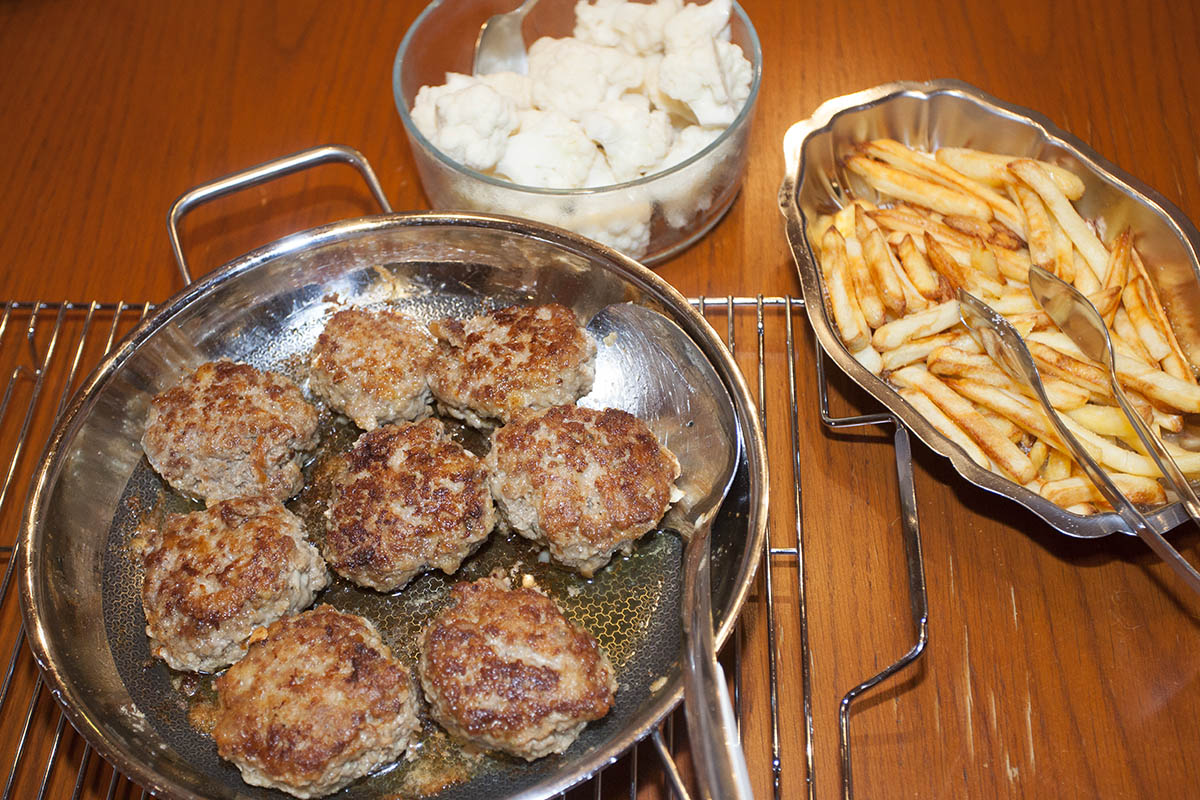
(80, 590)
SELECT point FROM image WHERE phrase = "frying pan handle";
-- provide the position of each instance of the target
(261, 174)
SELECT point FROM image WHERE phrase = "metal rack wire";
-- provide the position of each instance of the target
(46, 349)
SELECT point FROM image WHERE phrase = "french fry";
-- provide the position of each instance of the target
(1123, 330)
(904, 186)
(931, 169)
(875, 253)
(918, 270)
(1117, 272)
(869, 357)
(934, 319)
(1135, 305)
(1038, 232)
(1094, 252)
(992, 169)
(1006, 454)
(1038, 454)
(1155, 304)
(1158, 385)
(950, 362)
(1016, 409)
(1070, 369)
(1069, 491)
(864, 283)
(983, 259)
(919, 349)
(846, 312)
(946, 426)
(1057, 467)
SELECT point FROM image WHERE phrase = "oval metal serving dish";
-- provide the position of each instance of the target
(950, 113)
(79, 588)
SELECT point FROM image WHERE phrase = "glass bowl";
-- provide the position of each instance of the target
(650, 219)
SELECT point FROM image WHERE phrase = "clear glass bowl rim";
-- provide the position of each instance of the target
(416, 135)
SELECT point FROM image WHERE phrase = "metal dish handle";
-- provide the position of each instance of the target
(260, 174)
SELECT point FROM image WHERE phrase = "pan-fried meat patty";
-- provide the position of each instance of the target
(491, 366)
(212, 577)
(318, 702)
(503, 668)
(405, 499)
(229, 430)
(585, 482)
(372, 366)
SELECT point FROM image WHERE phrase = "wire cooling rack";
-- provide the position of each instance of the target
(46, 350)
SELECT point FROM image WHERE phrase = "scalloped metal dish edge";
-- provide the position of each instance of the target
(795, 144)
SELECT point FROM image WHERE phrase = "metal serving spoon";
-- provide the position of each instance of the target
(1007, 348)
(648, 366)
(1079, 319)
(501, 46)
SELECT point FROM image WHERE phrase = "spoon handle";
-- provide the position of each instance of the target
(712, 728)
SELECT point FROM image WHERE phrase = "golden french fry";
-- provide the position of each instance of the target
(1124, 332)
(1152, 339)
(1038, 454)
(911, 189)
(951, 362)
(934, 319)
(1064, 254)
(1117, 272)
(983, 259)
(1104, 420)
(1038, 232)
(946, 426)
(993, 442)
(875, 253)
(1154, 302)
(1070, 491)
(847, 314)
(817, 228)
(1018, 410)
(919, 349)
(869, 357)
(863, 283)
(1094, 252)
(1058, 466)
(1158, 385)
(924, 166)
(1070, 369)
(992, 169)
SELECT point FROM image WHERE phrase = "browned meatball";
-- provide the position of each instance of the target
(585, 482)
(213, 576)
(318, 702)
(229, 430)
(406, 499)
(372, 365)
(491, 366)
(503, 668)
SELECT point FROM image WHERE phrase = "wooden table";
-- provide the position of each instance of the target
(1055, 667)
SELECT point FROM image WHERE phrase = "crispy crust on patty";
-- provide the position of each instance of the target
(586, 482)
(522, 357)
(318, 702)
(405, 499)
(503, 668)
(372, 366)
(212, 577)
(229, 430)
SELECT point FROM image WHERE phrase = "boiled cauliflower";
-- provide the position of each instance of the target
(550, 149)
(574, 77)
(635, 138)
(636, 28)
(710, 78)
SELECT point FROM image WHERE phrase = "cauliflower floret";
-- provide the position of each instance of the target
(635, 139)
(549, 150)
(516, 87)
(424, 110)
(711, 78)
(621, 223)
(473, 125)
(636, 28)
(601, 173)
(573, 77)
(698, 23)
(688, 142)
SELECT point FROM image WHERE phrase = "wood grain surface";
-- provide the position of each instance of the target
(1055, 667)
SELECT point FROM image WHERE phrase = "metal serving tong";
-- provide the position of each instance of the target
(1007, 348)
(1075, 315)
